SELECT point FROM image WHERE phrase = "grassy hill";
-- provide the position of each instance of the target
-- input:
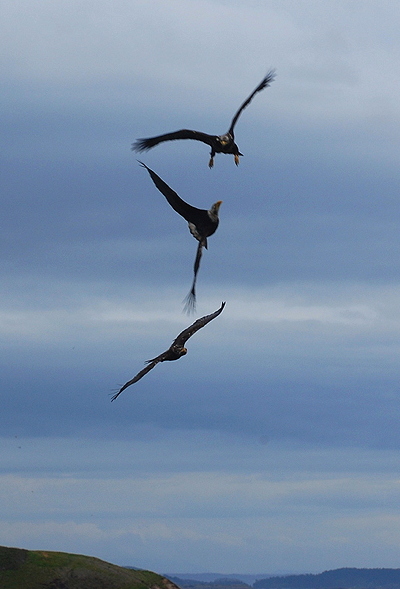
(34, 569)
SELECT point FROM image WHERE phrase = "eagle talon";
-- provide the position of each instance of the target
(211, 163)
(236, 159)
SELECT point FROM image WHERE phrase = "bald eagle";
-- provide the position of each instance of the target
(175, 351)
(218, 143)
(202, 224)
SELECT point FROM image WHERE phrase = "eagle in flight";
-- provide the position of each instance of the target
(175, 351)
(218, 143)
(201, 223)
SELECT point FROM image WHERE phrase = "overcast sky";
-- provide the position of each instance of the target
(273, 446)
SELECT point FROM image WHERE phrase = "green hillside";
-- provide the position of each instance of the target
(34, 569)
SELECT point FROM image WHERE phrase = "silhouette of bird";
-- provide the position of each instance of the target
(176, 349)
(201, 223)
(218, 143)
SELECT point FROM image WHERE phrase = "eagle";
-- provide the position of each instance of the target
(218, 143)
(202, 224)
(175, 351)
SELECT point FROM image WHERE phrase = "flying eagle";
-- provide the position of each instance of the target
(201, 223)
(218, 143)
(176, 349)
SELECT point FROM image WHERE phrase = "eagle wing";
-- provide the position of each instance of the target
(190, 299)
(264, 84)
(147, 143)
(139, 375)
(187, 211)
(189, 331)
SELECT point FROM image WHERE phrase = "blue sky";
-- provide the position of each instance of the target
(273, 446)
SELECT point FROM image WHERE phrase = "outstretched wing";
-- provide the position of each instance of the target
(148, 143)
(139, 375)
(189, 331)
(190, 300)
(264, 84)
(191, 214)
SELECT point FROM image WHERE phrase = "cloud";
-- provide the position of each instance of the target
(308, 362)
(274, 440)
(174, 503)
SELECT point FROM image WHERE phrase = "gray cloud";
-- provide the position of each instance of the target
(272, 445)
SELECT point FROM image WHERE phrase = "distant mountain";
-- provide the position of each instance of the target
(220, 583)
(33, 569)
(346, 578)
(212, 577)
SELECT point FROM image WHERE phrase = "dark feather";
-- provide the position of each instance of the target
(187, 211)
(146, 144)
(264, 84)
(190, 300)
(189, 331)
(139, 375)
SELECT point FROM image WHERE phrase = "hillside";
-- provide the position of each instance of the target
(34, 569)
(345, 578)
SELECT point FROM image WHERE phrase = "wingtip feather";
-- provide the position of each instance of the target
(189, 301)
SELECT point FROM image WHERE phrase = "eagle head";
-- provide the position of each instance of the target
(225, 139)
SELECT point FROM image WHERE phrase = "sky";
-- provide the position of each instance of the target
(273, 445)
